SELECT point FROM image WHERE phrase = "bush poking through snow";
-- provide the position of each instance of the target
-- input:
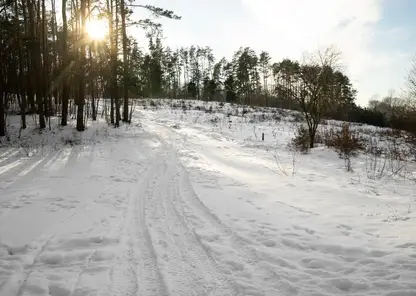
(397, 158)
(396, 215)
(345, 142)
(301, 141)
(71, 142)
(298, 117)
(390, 161)
(153, 104)
(374, 162)
(280, 165)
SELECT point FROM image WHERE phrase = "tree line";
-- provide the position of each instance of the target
(49, 68)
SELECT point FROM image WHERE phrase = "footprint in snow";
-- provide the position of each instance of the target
(269, 243)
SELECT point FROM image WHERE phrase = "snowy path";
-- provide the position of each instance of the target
(166, 211)
(101, 219)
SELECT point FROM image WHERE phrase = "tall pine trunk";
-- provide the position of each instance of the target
(116, 99)
(92, 87)
(46, 97)
(81, 73)
(64, 68)
(21, 93)
(29, 63)
(2, 121)
(125, 64)
(37, 57)
(113, 62)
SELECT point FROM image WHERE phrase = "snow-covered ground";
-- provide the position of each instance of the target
(195, 203)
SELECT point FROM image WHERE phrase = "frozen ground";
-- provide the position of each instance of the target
(194, 203)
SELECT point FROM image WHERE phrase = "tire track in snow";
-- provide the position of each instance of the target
(174, 264)
(185, 262)
(247, 254)
(172, 253)
(208, 271)
(136, 271)
(151, 281)
(245, 251)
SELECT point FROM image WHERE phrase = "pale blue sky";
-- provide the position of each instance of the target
(376, 36)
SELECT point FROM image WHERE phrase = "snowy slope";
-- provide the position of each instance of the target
(187, 204)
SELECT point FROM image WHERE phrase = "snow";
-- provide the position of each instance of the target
(193, 202)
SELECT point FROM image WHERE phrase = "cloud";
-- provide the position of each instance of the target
(293, 27)
(288, 28)
(307, 23)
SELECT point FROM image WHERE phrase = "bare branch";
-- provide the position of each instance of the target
(411, 80)
(325, 57)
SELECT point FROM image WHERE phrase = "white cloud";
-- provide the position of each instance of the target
(292, 27)
(288, 28)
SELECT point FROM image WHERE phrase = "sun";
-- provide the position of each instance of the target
(97, 29)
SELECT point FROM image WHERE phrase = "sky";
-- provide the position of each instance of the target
(375, 37)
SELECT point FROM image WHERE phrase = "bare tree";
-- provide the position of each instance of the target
(320, 84)
(411, 80)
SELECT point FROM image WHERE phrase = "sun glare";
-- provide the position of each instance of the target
(97, 29)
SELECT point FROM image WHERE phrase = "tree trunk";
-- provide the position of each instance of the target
(45, 56)
(115, 53)
(112, 109)
(27, 78)
(312, 141)
(37, 60)
(94, 110)
(312, 133)
(21, 93)
(65, 85)
(110, 82)
(118, 115)
(125, 64)
(2, 121)
(113, 60)
(92, 85)
(80, 116)
(81, 73)
(50, 106)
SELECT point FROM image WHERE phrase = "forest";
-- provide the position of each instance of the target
(51, 66)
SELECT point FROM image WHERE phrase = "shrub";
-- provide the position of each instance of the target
(153, 104)
(301, 140)
(297, 117)
(374, 162)
(276, 117)
(346, 143)
(184, 107)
